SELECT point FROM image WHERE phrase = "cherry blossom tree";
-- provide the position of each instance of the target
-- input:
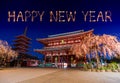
(6, 51)
(80, 49)
(104, 45)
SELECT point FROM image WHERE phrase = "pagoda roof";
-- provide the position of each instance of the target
(22, 40)
(23, 36)
(21, 48)
(64, 35)
(21, 44)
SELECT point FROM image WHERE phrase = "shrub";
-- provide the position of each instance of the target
(113, 66)
(85, 67)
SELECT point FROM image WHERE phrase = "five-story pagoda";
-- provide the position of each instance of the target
(21, 44)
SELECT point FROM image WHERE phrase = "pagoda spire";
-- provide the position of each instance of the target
(25, 31)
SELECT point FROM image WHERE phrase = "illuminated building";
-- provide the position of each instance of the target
(22, 43)
(57, 47)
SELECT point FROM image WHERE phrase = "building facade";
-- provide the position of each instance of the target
(57, 47)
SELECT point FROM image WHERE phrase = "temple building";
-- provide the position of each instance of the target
(21, 45)
(22, 42)
(57, 47)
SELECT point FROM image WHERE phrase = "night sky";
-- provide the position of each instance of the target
(36, 29)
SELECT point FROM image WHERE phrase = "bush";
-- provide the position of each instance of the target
(87, 66)
(113, 66)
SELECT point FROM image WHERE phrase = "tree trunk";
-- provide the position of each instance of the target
(89, 58)
(85, 59)
(98, 61)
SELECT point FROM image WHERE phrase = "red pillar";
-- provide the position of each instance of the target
(51, 61)
(45, 59)
(67, 60)
(52, 57)
(59, 61)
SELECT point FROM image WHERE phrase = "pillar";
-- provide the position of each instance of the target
(51, 59)
(67, 59)
(59, 61)
(45, 59)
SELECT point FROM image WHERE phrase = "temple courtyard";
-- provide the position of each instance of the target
(52, 75)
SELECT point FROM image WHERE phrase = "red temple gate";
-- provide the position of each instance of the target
(57, 47)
